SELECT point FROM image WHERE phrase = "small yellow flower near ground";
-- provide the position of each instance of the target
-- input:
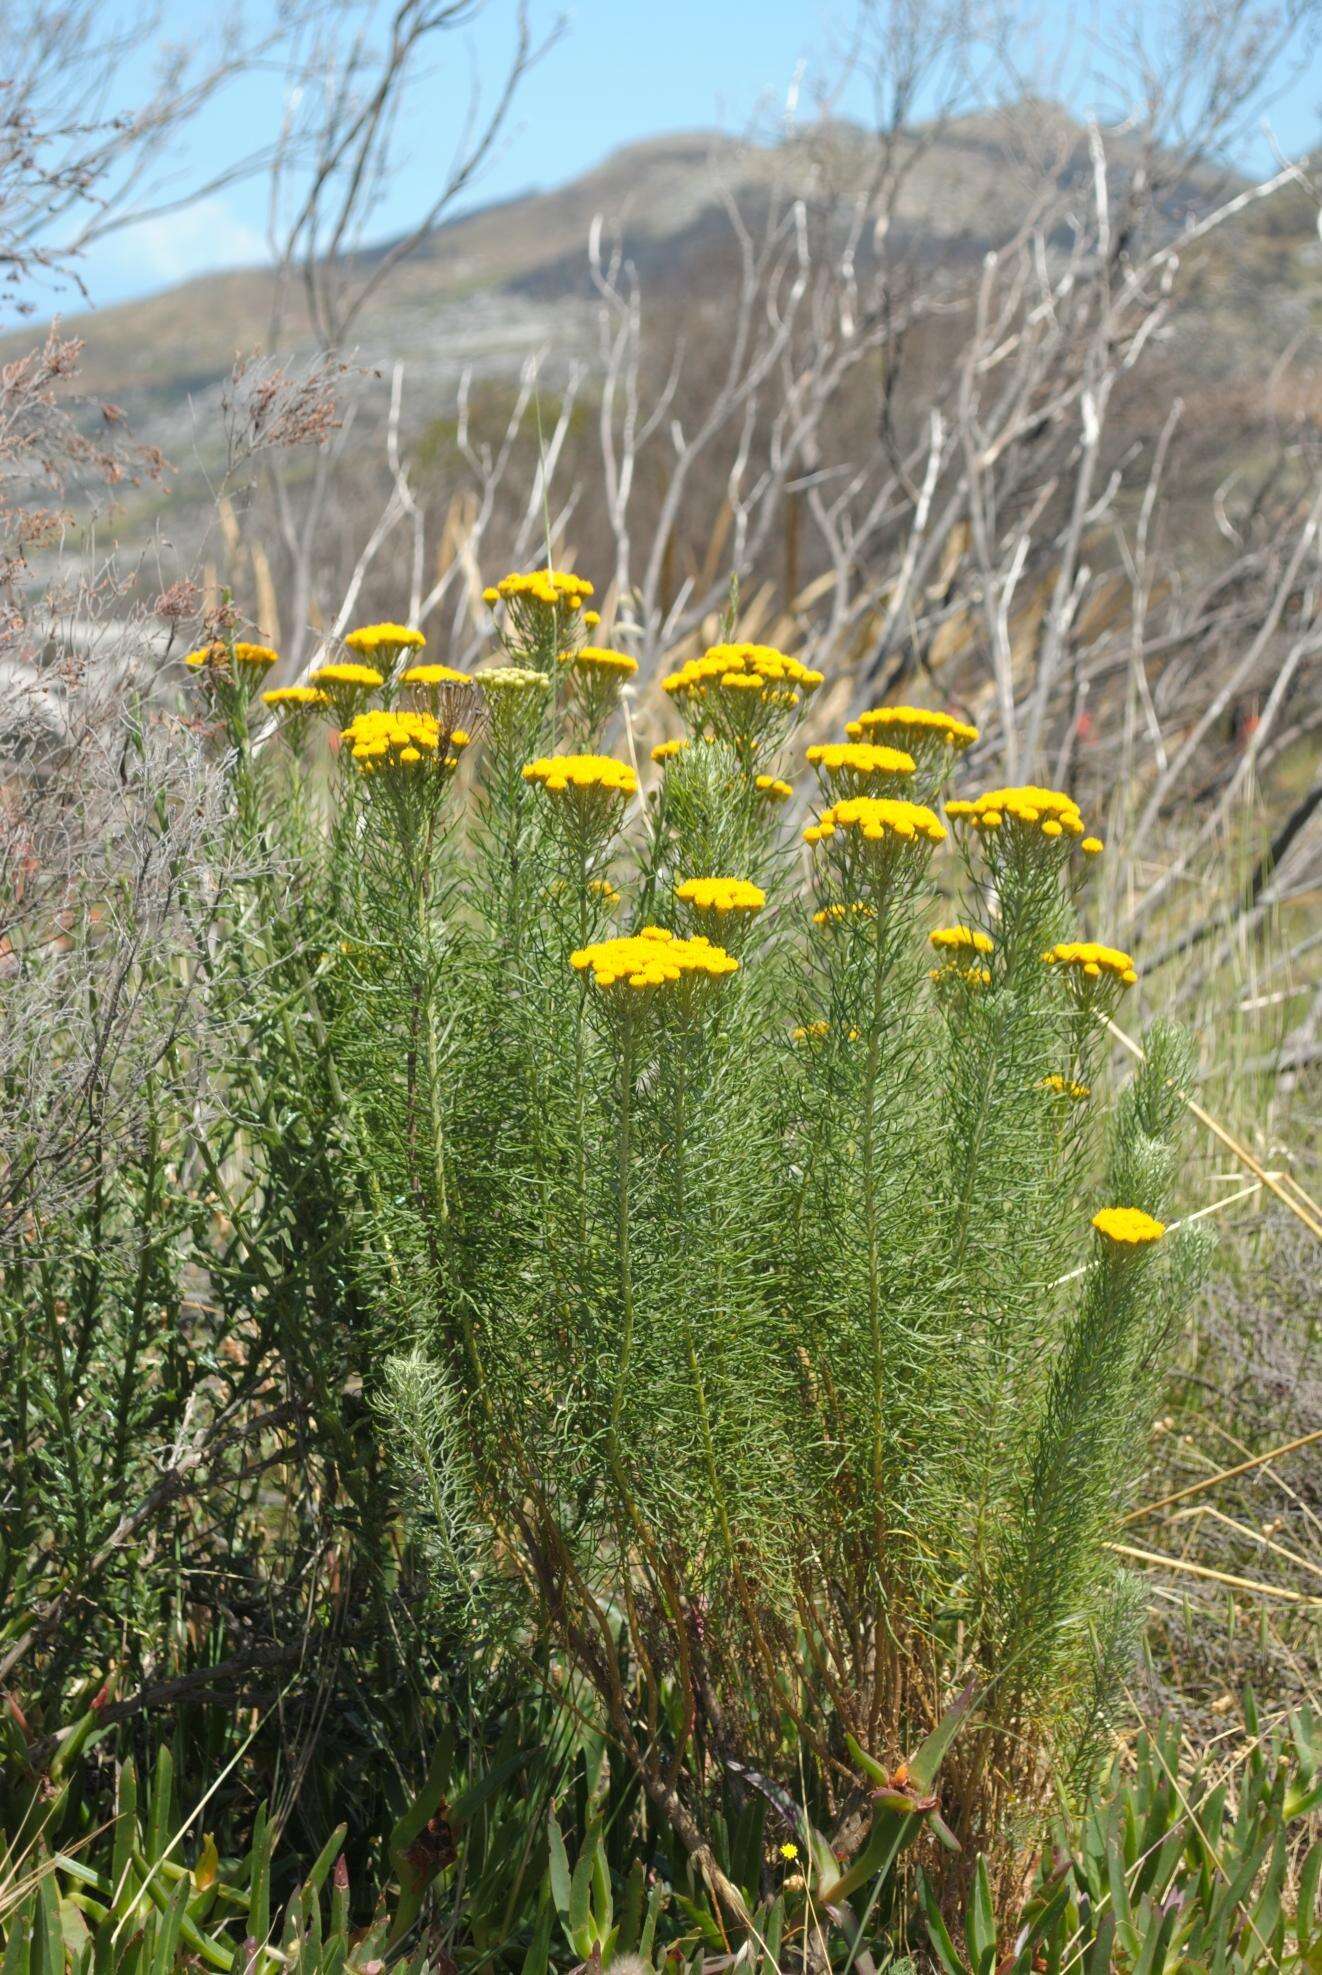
(1063, 1087)
(667, 750)
(1026, 809)
(789, 1853)
(721, 895)
(877, 820)
(563, 774)
(773, 788)
(913, 727)
(954, 938)
(384, 641)
(1128, 1227)
(653, 958)
(295, 697)
(1092, 961)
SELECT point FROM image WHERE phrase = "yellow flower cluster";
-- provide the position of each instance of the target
(1093, 961)
(667, 750)
(597, 658)
(346, 679)
(832, 915)
(858, 763)
(818, 1032)
(1063, 1087)
(295, 697)
(382, 739)
(754, 669)
(955, 938)
(1049, 811)
(958, 971)
(435, 675)
(913, 727)
(721, 895)
(877, 819)
(386, 640)
(1128, 1227)
(560, 774)
(652, 958)
(217, 653)
(546, 589)
(772, 787)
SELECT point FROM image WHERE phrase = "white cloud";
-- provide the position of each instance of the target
(158, 252)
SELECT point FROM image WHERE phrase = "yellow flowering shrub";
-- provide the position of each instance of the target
(769, 1360)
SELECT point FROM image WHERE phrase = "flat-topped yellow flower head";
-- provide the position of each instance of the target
(667, 750)
(961, 939)
(878, 822)
(722, 896)
(1020, 815)
(570, 774)
(744, 694)
(346, 683)
(295, 698)
(598, 658)
(216, 653)
(653, 959)
(383, 643)
(402, 743)
(435, 675)
(1128, 1227)
(587, 792)
(927, 735)
(594, 675)
(861, 767)
(1087, 964)
(246, 660)
(540, 611)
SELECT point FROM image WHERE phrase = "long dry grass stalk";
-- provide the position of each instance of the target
(1223, 1474)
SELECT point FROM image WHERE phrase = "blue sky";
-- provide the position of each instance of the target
(621, 70)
